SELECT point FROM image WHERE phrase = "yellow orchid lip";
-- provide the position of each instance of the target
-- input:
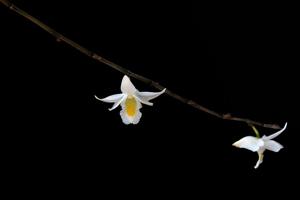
(130, 106)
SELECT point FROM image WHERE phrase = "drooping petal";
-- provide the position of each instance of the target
(142, 101)
(272, 145)
(145, 97)
(130, 112)
(249, 142)
(116, 104)
(116, 99)
(111, 99)
(127, 87)
(274, 135)
(260, 159)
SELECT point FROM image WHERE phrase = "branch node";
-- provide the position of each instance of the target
(11, 6)
(190, 102)
(227, 116)
(59, 39)
(96, 56)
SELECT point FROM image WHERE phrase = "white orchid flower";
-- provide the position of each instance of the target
(259, 145)
(130, 100)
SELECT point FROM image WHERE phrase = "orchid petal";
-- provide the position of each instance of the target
(273, 145)
(116, 104)
(127, 87)
(260, 159)
(131, 119)
(147, 96)
(249, 142)
(142, 101)
(274, 135)
(137, 118)
(124, 117)
(111, 99)
(116, 99)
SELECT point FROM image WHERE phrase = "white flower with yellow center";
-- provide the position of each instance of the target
(259, 145)
(130, 100)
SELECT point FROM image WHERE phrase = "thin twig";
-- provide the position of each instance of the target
(59, 37)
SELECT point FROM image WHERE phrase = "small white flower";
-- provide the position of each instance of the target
(259, 145)
(130, 100)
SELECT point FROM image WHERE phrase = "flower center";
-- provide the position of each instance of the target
(130, 105)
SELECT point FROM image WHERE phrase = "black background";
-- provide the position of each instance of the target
(230, 58)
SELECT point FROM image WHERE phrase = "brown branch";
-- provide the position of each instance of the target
(60, 38)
